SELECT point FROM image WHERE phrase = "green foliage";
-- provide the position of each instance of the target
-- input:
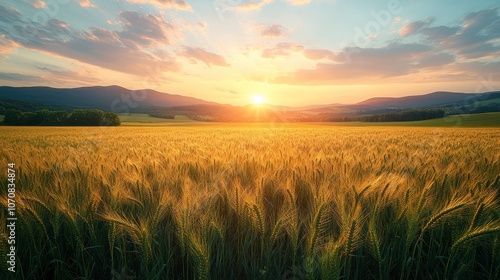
(410, 115)
(86, 117)
(27, 106)
(78, 117)
(110, 119)
(12, 117)
(162, 115)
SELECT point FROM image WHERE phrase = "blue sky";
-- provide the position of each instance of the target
(292, 52)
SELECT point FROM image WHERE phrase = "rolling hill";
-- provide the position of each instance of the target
(419, 101)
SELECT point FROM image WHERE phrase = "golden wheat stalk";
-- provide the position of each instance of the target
(483, 231)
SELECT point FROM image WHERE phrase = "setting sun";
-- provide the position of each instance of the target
(258, 99)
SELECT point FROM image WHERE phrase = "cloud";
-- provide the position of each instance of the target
(87, 4)
(198, 54)
(482, 72)
(226, 90)
(169, 4)
(6, 46)
(57, 74)
(479, 70)
(38, 4)
(287, 49)
(299, 2)
(435, 60)
(201, 26)
(20, 77)
(443, 53)
(394, 53)
(197, 28)
(282, 49)
(271, 30)
(250, 5)
(476, 37)
(9, 15)
(49, 74)
(318, 54)
(369, 64)
(123, 50)
(439, 32)
(411, 28)
(145, 29)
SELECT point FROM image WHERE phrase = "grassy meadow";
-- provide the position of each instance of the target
(261, 201)
(469, 120)
(131, 119)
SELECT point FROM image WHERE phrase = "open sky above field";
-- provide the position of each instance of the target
(284, 52)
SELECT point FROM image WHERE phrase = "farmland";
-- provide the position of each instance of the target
(259, 201)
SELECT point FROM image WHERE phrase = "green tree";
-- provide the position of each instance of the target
(92, 117)
(111, 119)
(30, 119)
(12, 117)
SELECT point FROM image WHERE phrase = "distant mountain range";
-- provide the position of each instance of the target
(109, 98)
(115, 98)
(418, 101)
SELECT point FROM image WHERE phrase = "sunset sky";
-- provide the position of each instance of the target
(290, 52)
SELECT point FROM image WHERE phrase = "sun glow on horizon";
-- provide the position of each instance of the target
(258, 99)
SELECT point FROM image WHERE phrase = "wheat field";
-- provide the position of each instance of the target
(253, 202)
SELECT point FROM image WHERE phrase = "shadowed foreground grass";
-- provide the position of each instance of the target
(253, 202)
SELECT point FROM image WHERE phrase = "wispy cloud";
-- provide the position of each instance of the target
(208, 58)
(250, 5)
(411, 28)
(6, 46)
(56, 74)
(369, 64)
(39, 4)
(271, 30)
(20, 78)
(319, 54)
(299, 2)
(174, 4)
(476, 36)
(287, 49)
(87, 4)
(145, 29)
(282, 50)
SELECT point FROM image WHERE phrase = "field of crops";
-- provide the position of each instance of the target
(253, 202)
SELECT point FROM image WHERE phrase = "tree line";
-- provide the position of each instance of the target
(78, 117)
(472, 109)
(27, 106)
(162, 115)
(410, 115)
